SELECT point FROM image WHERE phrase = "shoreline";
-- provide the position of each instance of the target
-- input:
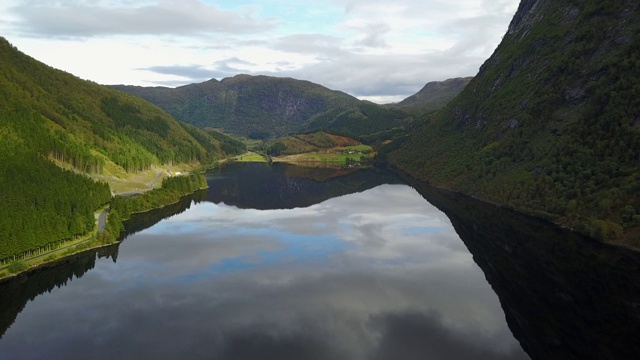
(53, 257)
(406, 176)
(92, 241)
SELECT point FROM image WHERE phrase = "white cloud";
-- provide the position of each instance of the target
(371, 49)
(82, 18)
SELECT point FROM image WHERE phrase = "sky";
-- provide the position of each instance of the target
(382, 51)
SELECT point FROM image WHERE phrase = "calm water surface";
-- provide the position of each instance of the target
(277, 262)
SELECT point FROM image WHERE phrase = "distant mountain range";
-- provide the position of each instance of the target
(263, 107)
(253, 106)
(550, 125)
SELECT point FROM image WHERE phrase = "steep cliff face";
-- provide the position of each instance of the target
(549, 124)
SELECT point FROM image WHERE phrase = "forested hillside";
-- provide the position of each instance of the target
(41, 204)
(48, 115)
(366, 121)
(86, 124)
(262, 107)
(551, 123)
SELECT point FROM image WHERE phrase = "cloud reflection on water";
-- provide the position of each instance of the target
(375, 275)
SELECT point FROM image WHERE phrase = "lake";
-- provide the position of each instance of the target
(285, 262)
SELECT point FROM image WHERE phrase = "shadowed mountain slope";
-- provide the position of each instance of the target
(551, 123)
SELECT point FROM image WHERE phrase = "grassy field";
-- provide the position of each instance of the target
(250, 157)
(361, 148)
(339, 155)
(122, 182)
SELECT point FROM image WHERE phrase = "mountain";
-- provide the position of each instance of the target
(262, 107)
(48, 116)
(433, 96)
(550, 125)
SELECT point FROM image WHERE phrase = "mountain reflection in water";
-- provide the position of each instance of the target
(565, 296)
(283, 186)
(282, 262)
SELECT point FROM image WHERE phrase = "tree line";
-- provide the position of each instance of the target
(42, 205)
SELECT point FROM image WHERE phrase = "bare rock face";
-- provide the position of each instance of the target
(528, 15)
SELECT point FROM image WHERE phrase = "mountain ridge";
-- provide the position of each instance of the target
(263, 107)
(245, 104)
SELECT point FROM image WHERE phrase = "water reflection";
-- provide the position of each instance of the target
(372, 275)
(15, 294)
(285, 186)
(565, 296)
(358, 272)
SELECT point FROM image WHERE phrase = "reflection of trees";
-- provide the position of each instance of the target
(15, 294)
(283, 186)
(564, 296)
(141, 221)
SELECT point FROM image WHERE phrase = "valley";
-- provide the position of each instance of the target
(535, 130)
(250, 214)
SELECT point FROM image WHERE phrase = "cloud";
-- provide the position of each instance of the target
(338, 68)
(374, 35)
(190, 72)
(81, 18)
(199, 73)
(400, 46)
(425, 336)
(218, 282)
(365, 75)
(231, 66)
(372, 49)
(321, 45)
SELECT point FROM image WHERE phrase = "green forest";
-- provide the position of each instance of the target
(52, 141)
(42, 205)
(87, 124)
